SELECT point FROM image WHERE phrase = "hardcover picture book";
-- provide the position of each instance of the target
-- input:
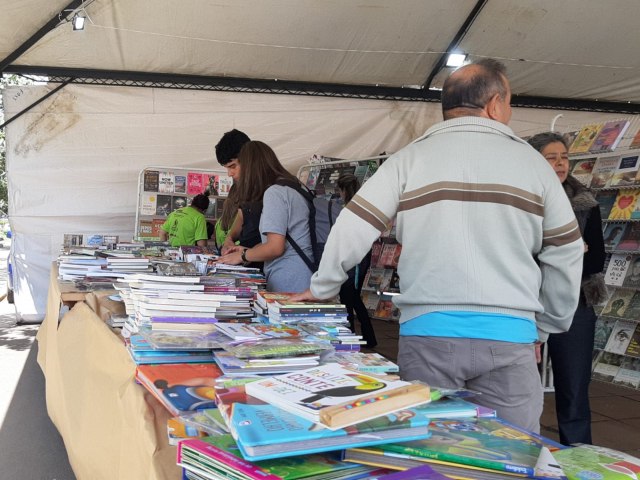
(148, 204)
(625, 174)
(620, 337)
(264, 431)
(630, 238)
(613, 234)
(195, 184)
(218, 455)
(585, 138)
(629, 373)
(338, 397)
(151, 180)
(625, 204)
(181, 387)
(166, 182)
(583, 170)
(590, 461)
(610, 136)
(603, 170)
(618, 303)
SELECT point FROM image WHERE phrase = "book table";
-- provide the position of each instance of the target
(112, 427)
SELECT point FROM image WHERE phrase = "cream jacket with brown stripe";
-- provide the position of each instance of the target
(475, 207)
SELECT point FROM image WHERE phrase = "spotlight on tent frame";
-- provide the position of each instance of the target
(78, 22)
(456, 60)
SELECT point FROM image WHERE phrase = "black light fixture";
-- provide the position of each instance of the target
(78, 22)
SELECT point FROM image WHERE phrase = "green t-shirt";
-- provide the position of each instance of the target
(221, 234)
(185, 226)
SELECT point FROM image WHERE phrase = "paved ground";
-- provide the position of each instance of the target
(30, 446)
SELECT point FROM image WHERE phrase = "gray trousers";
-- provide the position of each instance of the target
(505, 373)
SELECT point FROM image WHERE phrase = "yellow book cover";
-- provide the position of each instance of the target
(625, 204)
(585, 138)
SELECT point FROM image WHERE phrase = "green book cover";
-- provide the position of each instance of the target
(471, 448)
(290, 468)
(590, 461)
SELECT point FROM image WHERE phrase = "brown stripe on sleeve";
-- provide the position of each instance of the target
(366, 216)
(562, 239)
(481, 187)
(572, 225)
(562, 235)
(473, 196)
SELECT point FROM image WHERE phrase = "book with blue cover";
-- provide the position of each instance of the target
(264, 431)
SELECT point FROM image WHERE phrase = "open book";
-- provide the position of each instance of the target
(336, 396)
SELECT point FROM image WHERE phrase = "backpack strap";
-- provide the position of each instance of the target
(308, 196)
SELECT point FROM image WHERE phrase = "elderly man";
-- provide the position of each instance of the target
(492, 254)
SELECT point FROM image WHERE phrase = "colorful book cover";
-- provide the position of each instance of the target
(633, 350)
(225, 183)
(610, 136)
(423, 472)
(618, 303)
(247, 331)
(620, 337)
(166, 182)
(181, 387)
(607, 366)
(338, 397)
(145, 229)
(223, 452)
(613, 234)
(178, 202)
(370, 300)
(163, 205)
(585, 138)
(148, 203)
(156, 226)
(569, 137)
(603, 170)
(264, 431)
(93, 240)
(632, 277)
(635, 142)
(605, 202)
(195, 185)
(630, 240)
(312, 179)
(625, 204)
(592, 462)
(617, 269)
(583, 170)
(211, 183)
(180, 185)
(470, 448)
(629, 373)
(603, 331)
(384, 309)
(151, 180)
(365, 362)
(625, 174)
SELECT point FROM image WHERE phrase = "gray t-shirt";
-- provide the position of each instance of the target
(285, 210)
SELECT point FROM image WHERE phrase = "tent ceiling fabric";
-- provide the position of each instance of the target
(562, 50)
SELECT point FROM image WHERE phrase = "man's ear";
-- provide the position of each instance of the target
(492, 108)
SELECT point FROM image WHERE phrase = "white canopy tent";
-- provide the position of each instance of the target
(365, 75)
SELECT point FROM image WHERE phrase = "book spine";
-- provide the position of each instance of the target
(473, 462)
(228, 459)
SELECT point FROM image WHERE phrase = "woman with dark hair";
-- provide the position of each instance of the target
(571, 352)
(284, 211)
(187, 225)
(351, 290)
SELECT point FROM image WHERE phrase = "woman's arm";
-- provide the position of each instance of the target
(234, 234)
(273, 248)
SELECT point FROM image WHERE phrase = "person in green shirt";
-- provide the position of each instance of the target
(187, 225)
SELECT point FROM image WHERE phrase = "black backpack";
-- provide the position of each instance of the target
(322, 216)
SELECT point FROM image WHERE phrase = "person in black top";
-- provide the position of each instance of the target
(351, 289)
(571, 352)
(238, 222)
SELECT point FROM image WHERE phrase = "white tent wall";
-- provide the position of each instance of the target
(73, 160)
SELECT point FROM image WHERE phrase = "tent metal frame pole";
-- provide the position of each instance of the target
(456, 41)
(225, 84)
(40, 100)
(33, 39)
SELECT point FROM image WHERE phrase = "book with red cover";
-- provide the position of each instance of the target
(181, 387)
(610, 136)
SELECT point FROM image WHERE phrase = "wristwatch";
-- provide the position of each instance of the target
(243, 256)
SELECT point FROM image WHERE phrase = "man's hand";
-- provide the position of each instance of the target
(537, 346)
(305, 296)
